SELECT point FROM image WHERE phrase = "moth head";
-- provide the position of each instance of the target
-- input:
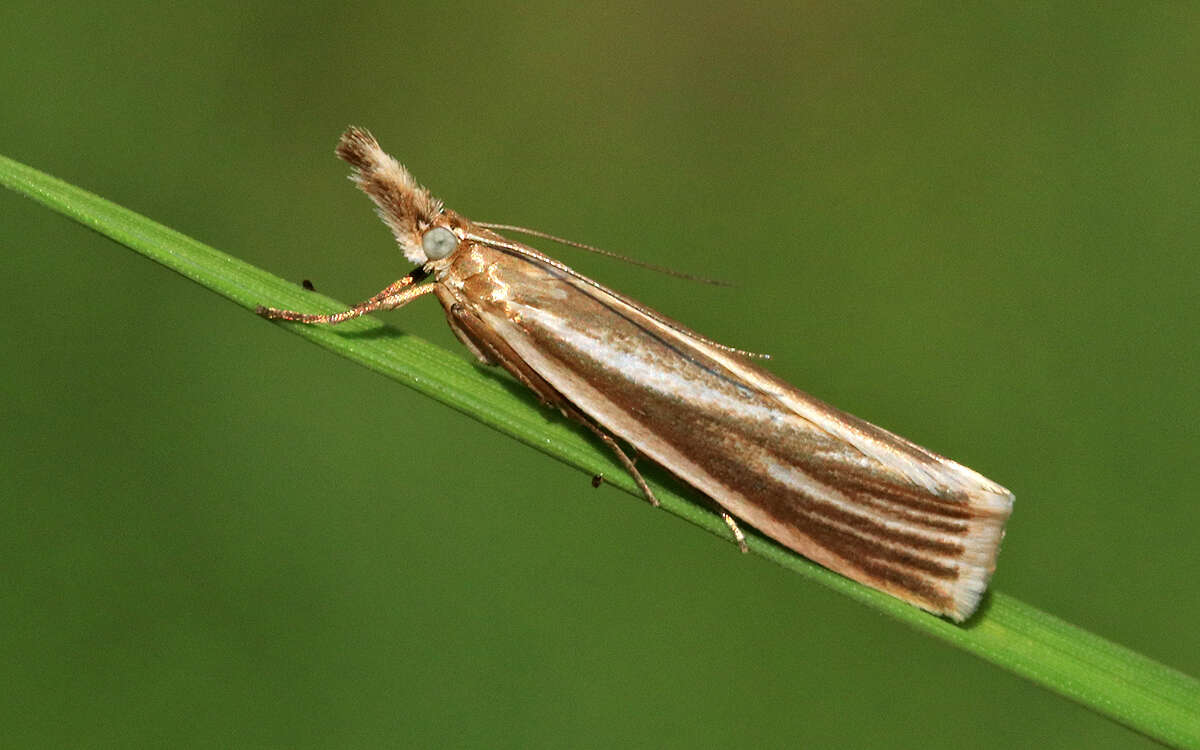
(404, 205)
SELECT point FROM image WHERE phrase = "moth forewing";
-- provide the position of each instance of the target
(844, 493)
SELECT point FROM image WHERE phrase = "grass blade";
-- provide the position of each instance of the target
(1107, 678)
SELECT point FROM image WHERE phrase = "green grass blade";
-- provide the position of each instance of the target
(1109, 679)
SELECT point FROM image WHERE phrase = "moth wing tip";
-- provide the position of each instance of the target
(982, 549)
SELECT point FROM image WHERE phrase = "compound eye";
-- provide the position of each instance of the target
(438, 243)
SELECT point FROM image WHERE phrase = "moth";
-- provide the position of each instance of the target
(844, 493)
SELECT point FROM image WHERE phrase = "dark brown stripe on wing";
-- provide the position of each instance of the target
(818, 520)
(851, 536)
(920, 589)
(953, 505)
(799, 502)
(901, 569)
(886, 508)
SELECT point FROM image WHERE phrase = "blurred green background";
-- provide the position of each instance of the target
(976, 225)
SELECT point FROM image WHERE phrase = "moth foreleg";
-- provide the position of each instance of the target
(397, 294)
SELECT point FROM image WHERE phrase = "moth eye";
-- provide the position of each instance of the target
(438, 243)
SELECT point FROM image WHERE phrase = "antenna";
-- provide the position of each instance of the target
(606, 253)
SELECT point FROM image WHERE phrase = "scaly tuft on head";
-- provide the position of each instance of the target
(406, 207)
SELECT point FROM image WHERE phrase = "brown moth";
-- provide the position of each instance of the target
(844, 493)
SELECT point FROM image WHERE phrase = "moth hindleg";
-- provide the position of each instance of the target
(738, 536)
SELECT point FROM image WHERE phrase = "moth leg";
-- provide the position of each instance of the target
(738, 536)
(482, 352)
(490, 348)
(397, 294)
(624, 459)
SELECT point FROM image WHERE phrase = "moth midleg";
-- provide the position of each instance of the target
(482, 353)
(620, 453)
(490, 348)
(396, 294)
